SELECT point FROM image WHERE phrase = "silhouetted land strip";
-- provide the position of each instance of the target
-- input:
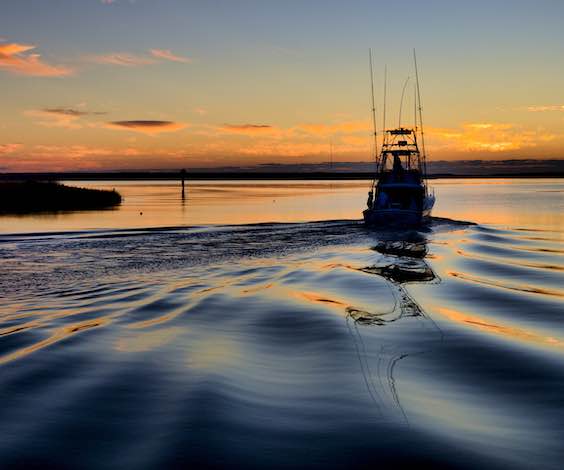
(253, 175)
(26, 197)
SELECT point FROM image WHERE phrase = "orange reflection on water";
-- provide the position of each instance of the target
(515, 287)
(497, 329)
(58, 335)
(147, 341)
(320, 298)
(515, 202)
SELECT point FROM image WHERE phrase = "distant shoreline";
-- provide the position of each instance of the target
(238, 176)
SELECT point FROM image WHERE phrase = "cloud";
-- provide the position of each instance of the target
(47, 118)
(9, 148)
(15, 58)
(146, 126)
(246, 128)
(540, 109)
(71, 151)
(346, 127)
(47, 157)
(351, 138)
(301, 131)
(489, 137)
(289, 149)
(71, 112)
(168, 55)
(67, 118)
(125, 59)
(122, 59)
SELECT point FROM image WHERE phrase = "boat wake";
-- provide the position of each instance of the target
(322, 343)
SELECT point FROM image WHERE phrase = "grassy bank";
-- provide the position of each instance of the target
(30, 197)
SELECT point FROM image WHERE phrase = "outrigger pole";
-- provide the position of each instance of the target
(401, 101)
(373, 106)
(384, 110)
(420, 114)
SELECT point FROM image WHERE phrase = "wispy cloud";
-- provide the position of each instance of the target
(67, 118)
(540, 109)
(247, 128)
(122, 59)
(16, 58)
(345, 127)
(126, 59)
(149, 127)
(72, 112)
(9, 148)
(289, 149)
(47, 157)
(47, 118)
(167, 54)
(70, 151)
(300, 131)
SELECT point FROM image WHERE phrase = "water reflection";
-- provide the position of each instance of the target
(401, 261)
(282, 344)
(514, 202)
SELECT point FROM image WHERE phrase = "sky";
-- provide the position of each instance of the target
(167, 84)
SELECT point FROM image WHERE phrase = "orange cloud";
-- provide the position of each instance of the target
(9, 148)
(168, 55)
(48, 119)
(146, 126)
(71, 151)
(125, 59)
(357, 140)
(300, 130)
(342, 127)
(285, 149)
(67, 118)
(13, 58)
(84, 157)
(489, 137)
(122, 59)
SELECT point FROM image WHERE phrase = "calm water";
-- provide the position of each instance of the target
(259, 324)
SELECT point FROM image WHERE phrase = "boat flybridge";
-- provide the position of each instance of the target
(399, 194)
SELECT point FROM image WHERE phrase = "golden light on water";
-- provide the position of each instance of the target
(499, 329)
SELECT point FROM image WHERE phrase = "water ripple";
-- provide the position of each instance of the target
(323, 344)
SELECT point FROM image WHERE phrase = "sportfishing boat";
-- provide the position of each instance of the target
(399, 194)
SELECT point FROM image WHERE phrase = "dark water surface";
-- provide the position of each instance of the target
(314, 344)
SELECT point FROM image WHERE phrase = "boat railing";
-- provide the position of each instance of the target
(400, 131)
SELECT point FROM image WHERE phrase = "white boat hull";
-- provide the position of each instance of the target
(399, 217)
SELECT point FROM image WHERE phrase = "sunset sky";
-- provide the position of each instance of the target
(157, 84)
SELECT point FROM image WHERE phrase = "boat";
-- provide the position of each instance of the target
(399, 194)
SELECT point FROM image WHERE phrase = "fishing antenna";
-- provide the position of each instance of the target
(420, 115)
(373, 105)
(415, 108)
(384, 110)
(401, 100)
